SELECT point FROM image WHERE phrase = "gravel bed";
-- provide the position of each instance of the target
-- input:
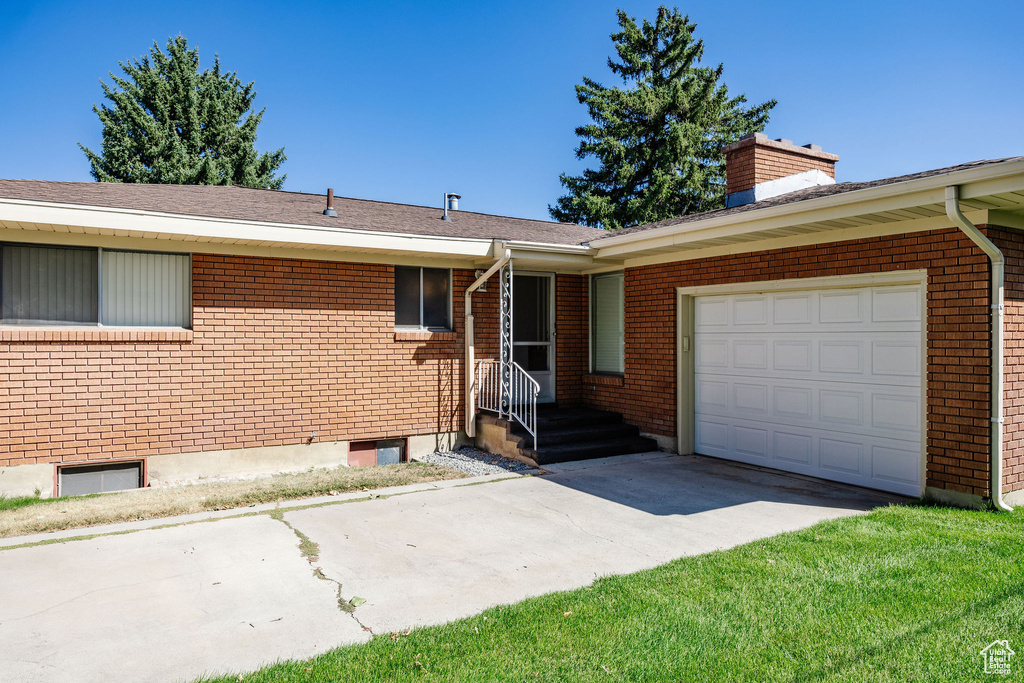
(475, 462)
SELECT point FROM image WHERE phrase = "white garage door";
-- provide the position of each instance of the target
(825, 383)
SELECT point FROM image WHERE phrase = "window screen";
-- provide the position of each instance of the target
(606, 321)
(435, 297)
(422, 297)
(79, 480)
(407, 296)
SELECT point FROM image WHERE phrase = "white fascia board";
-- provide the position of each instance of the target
(204, 229)
(545, 247)
(975, 183)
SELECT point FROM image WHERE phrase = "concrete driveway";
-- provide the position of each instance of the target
(232, 594)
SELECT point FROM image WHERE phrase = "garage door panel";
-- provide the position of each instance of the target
(792, 355)
(713, 354)
(750, 311)
(890, 309)
(750, 354)
(825, 383)
(882, 358)
(751, 399)
(896, 304)
(797, 449)
(841, 306)
(793, 309)
(891, 463)
(844, 357)
(842, 408)
(884, 412)
(896, 357)
(791, 402)
(872, 461)
(842, 456)
(750, 439)
(712, 437)
(894, 411)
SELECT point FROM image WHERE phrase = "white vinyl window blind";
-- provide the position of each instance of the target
(146, 289)
(43, 285)
(607, 326)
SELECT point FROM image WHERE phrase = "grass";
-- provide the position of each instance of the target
(28, 515)
(902, 594)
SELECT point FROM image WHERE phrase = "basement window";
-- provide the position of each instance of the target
(381, 452)
(77, 480)
(423, 299)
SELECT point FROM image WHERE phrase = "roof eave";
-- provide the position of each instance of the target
(974, 182)
(204, 229)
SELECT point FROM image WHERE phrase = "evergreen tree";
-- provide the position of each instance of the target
(659, 140)
(171, 123)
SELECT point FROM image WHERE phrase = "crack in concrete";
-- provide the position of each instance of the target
(311, 551)
(587, 531)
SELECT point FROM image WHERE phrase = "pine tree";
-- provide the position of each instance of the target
(171, 123)
(659, 140)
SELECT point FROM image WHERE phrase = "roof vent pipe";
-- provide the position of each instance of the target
(329, 211)
(450, 203)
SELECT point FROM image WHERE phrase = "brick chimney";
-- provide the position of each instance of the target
(757, 168)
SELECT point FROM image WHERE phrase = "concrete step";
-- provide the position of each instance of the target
(584, 433)
(547, 455)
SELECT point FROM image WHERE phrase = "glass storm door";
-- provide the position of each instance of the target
(533, 324)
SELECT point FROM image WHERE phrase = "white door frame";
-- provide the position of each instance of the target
(551, 326)
(685, 354)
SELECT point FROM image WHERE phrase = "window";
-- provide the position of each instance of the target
(77, 480)
(43, 285)
(607, 329)
(423, 298)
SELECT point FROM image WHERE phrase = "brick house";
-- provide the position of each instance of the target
(838, 330)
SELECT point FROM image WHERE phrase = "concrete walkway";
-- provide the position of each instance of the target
(232, 594)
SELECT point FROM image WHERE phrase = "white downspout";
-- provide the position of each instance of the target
(470, 343)
(996, 258)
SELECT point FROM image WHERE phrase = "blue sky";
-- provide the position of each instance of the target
(402, 101)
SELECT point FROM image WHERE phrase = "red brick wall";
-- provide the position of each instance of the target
(1011, 243)
(572, 343)
(757, 163)
(957, 331)
(280, 348)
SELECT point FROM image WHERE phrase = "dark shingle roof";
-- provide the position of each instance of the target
(803, 195)
(276, 206)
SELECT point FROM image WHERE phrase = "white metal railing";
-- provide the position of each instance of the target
(522, 394)
(488, 385)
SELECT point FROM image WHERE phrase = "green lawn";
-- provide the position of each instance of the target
(902, 594)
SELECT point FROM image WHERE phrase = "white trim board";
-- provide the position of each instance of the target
(893, 277)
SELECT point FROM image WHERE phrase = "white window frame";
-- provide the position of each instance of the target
(421, 327)
(99, 291)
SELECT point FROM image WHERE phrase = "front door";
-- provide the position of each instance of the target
(533, 324)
